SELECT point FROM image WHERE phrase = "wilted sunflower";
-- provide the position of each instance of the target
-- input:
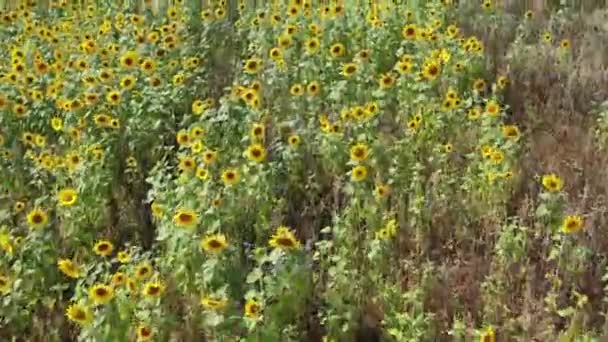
(572, 224)
(284, 238)
(153, 289)
(103, 248)
(214, 244)
(213, 303)
(69, 268)
(101, 293)
(185, 218)
(79, 314)
(37, 218)
(256, 153)
(552, 182)
(252, 309)
(230, 177)
(67, 197)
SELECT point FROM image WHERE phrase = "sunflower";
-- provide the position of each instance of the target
(256, 153)
(359, 152)
(214, 244)
(185, 218)
(409, 32)
(103, 248)
(198, 107)
(349, 69)
(552, 182)
(118, 279)
(123, 257)
(187, 164)
(572, 224)
(284, 238)
(69, 268)
(313, 88)
(113, 97)
(479, 84)
(67, 197)
(312, 45)
(37, 218)
(19, 206)
(431, 71)
(183, 138)
(143, 271)
(565, 44)
(252, 309)
(293, 140)
(144, 332)
(230, 177)
(5, 284)
(209, 157)
(202, 173)
(79, 314)
(382, 190)
(359, 173)
(253, 65)
(129, 59)
(101, 293)
(492, 108)
(337, 50)
(153, 289)
(488, 334)
(296, 90)
(127, 82)
(258, 131)
(510, 132)
(213, 302)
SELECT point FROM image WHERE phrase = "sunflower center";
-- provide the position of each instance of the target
(215, 244)
(256, 153)
(80, 315)
(153, 290)
(230, 175)
(103, 247)
(101, 292)
(285, 241)
(185, 217)
(37, 218)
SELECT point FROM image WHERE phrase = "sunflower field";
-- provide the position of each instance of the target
(302, 170)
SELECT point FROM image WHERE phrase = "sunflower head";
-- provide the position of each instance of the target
(103, 248)
(79, 314)
(214, 244)
(284, 238)
(101, 293)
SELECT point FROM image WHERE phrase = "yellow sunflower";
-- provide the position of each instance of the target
(153, 289)
(5, 284)
(123, 257)
(256, 153)
(144, 332)
(101, 293)
(214, 244)
(129, 59)
(118, 279)
(552, 182)
(213, 303)
(79, 314)
(67, 197)
(103, 248)
(284, 238)
(69, 268)
(37, 218)
(293, 140)
(230, 177)
(359, 152)
(252, 309)
(572, 224)
(143, 271)
(487, 335)
(359, 173)
(185, 218)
